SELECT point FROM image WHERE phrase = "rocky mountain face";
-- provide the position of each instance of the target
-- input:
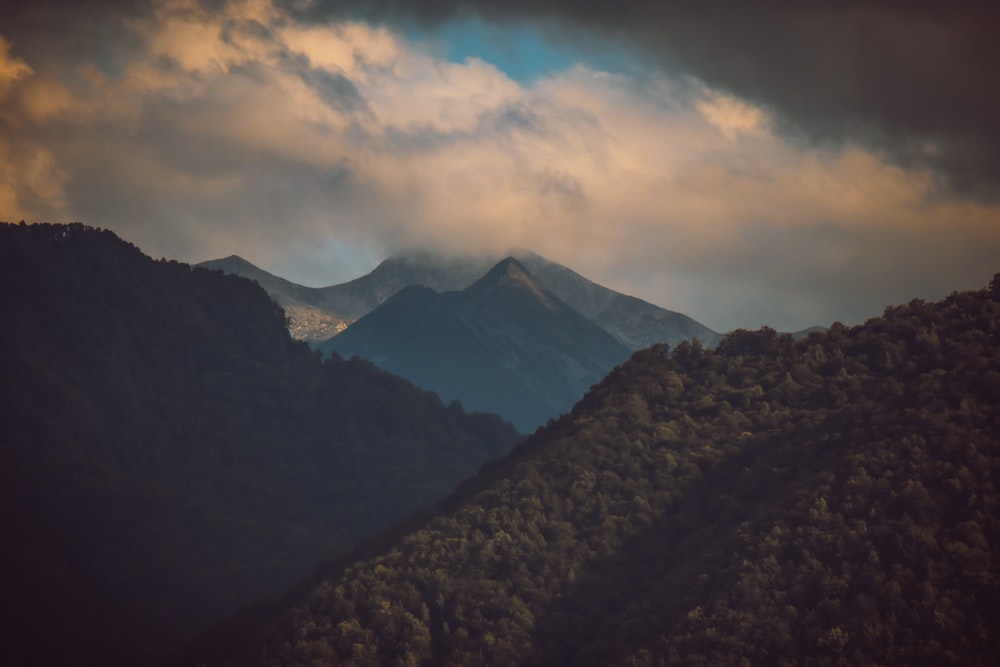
(169, 454)
(823, 501)
(634, 322)
(505, 344)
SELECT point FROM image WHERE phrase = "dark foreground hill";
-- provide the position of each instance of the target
(169, 454)
(504, 345)
(832, 500)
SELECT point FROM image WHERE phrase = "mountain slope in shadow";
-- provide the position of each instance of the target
(505, 344)
(169, 454)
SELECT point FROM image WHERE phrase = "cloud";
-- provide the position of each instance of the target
(11, 69)
(913, 81)
(732, 116)
(208, 130)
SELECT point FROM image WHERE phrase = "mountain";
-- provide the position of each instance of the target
(169, 454)
(830, 500)
(309, 317)
(441, 274)
(280, 289)
(504, 344)
(317, 313)
(636, 323)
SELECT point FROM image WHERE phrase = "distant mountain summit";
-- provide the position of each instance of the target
(281, 290)
(505, 344)
(317, 313)
(508, 273)
(634, 322)
(511, 285)
(310, 317)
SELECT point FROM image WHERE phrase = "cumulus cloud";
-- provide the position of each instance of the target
(210, 130)
(11, 69)
(732, 116)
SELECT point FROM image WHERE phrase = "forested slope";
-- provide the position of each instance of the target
(170, 454)
(832, 500)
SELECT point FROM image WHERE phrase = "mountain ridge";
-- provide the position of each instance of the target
(635, 322)
(509, 272)
(505, 344)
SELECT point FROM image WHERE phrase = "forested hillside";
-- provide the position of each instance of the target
(831, 500)
(169, 454)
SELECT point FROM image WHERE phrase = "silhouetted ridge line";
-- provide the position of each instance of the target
(170, 454)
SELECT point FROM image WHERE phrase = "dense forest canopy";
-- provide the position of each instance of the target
(169, 454)
(831, 500)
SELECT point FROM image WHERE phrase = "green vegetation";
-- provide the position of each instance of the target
(169, 454)
(832, 500)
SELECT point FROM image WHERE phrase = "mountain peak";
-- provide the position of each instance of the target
(510, 276)
(508, 271)
(236, 265)
(511, 266)
(539, 354)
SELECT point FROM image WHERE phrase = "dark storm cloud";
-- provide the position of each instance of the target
(44, 34)
(915, 81)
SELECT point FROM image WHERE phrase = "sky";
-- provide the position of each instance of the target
(776, 162)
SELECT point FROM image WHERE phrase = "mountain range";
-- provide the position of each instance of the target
(824, 501)
(505, 344)
(634, 322)
(170, 455)
(523, 338)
